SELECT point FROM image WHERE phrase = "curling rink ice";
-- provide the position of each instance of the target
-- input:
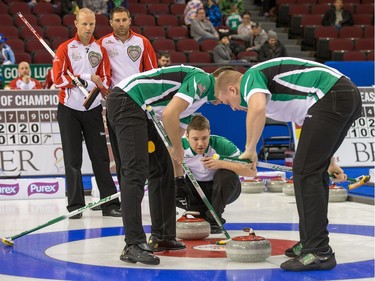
(89, 248)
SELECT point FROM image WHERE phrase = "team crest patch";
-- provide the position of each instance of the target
(201, 89)
(94, 58)
(134, 52)
(76, 56)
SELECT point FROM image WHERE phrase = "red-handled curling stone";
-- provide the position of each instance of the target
(288, 189)
(192, 228)
(276, 184)
(250, 248)
(337, 193)
(252, 185)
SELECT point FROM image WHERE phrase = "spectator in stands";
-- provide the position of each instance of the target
(269, 8)
(226, 6)
(191, 10)
(99, 7)
(233, 20)
(244, 31)
(24, 81)
(222, 52)
(273, 48)
(6, 56)
(69, 7)
(337, 16)
(111, 4)
(201, 28)
(213, 13)
(6, 52)
(32, 3)
(258, 37)
(164, 59)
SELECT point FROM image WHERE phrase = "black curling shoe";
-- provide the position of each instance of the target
(157, 244)
(311, 261)
(139, 253)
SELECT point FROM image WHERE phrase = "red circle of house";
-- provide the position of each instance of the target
(207, 248)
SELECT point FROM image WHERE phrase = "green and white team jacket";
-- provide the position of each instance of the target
(158, 86)
(292, 86)
(217, 145)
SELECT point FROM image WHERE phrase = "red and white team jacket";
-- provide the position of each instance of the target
(18, 84)
(133, 56)
(82, 61)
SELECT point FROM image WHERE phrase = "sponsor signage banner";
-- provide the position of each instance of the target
(38, 188)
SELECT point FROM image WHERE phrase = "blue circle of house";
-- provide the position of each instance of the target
(28, 259)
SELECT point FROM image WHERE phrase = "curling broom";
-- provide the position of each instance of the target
(9, 240)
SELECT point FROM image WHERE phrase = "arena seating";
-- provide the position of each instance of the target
(303, 19)
(161, 21)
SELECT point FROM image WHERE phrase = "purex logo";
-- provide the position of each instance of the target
(42, 187)
(9, 189)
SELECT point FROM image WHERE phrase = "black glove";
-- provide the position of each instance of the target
(182, 194)
(180, 184)
(83, 82)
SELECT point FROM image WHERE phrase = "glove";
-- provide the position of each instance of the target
(83, 82)
(182, 194)
(180, 185)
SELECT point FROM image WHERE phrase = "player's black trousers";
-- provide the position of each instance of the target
(133, 131)
(322, 133)
(76, 126)
(224, 189)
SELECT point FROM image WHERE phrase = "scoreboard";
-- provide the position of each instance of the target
(358, 148)
(30, 141)
(30, 118)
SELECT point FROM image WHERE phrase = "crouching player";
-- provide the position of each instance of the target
(218, 179)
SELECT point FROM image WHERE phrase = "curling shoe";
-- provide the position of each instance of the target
(294, 251)
(76, 217)
(157, 244)
(139, 253)
(311, 261)
(114, 212)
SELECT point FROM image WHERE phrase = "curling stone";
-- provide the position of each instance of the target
(252, 185)
(276, 184)
(250, 248)
(337, 193)
(192, 228)
(288, 189)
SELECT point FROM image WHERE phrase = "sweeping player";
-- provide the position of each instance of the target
(83, 57)
(129, 53)
(325, 103)
(218, 179)
(174, 93)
